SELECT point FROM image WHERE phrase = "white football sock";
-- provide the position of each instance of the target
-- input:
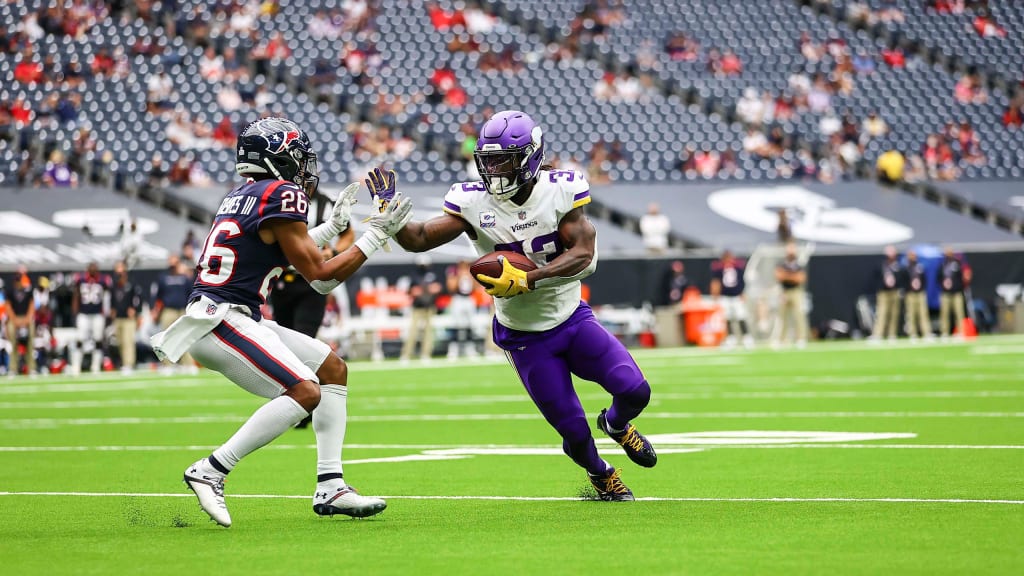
(270, 421)
(329, 421)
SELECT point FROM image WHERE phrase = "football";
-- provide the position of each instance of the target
(489, 265)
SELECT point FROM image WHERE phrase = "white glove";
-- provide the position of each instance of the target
(324, 286)
(386, 224)
(339, 218)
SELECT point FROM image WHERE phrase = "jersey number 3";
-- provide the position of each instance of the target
(550, 245)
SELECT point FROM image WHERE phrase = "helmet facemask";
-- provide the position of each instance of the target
(505, 172)
(508, 166)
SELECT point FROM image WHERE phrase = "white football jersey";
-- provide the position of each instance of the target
(530, 229)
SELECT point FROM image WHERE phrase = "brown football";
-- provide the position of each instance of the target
(488, 264)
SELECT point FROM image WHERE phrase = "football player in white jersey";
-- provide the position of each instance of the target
(545, 329)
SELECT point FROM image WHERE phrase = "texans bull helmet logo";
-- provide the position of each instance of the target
(278, 141)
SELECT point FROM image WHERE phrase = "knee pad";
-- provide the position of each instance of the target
(638, 397)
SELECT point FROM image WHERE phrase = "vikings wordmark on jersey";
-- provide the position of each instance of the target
(530, 229)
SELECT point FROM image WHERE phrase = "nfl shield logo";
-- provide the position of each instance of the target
(211, 309)
(522, 214)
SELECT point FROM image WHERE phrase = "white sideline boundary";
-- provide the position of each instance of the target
(540, 498)
(710, 446)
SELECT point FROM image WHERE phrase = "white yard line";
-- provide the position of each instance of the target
(474, 399)
(202, 448)
(110, 385)
(44, 423)
(538, 498)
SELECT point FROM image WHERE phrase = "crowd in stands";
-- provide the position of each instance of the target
(238, 70)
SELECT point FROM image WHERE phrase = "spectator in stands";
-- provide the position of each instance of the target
(160, 92)
(179, 175)
(731, 64)
(894, 57)
(750, 107)
(158, 171)
(938, 159)
(954, 276)
(442, 81)
(819, 97)
(915, 171)
(442, 19)
(125, 304)
(211, 65)
(986, 26)
(233, 68)
(424, 291)
(224, 133)
(1014, 115)
(946, 6)
(970, 144)
(874, 126)
(968, 90)
(756, 144)
(28, 69)
(324, 27)
(228, 97)
(57, 173)
(811, 51)
(682, 48)
(599, 165)
(829, 123)
(890, 166)
(627, 88)
(792, 278)
(887, 296)
(655, 228)
(479, 21)
(21, 328)
(102, 63)
(68, 104)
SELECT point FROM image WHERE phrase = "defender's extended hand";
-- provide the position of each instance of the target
(382, 185)
(342, 211)
(512, 281)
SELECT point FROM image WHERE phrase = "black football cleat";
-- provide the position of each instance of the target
(632, 441)
(610, 488)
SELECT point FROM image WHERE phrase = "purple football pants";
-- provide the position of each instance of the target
(580, 346)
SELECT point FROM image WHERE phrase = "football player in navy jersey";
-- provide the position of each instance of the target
(727, 287)
(90, 297)
(260, 228)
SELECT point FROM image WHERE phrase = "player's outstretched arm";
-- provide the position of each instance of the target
(423, 236)
(303, 253)
(580, 257)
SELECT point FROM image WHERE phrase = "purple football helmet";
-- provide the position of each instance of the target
(509, 153)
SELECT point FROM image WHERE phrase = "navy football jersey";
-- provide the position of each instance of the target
(91, 290)
(236, 266)
(730, 276)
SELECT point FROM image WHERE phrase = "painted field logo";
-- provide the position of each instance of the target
(680, 443)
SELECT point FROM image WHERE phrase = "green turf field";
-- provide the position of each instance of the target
(838, 459)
